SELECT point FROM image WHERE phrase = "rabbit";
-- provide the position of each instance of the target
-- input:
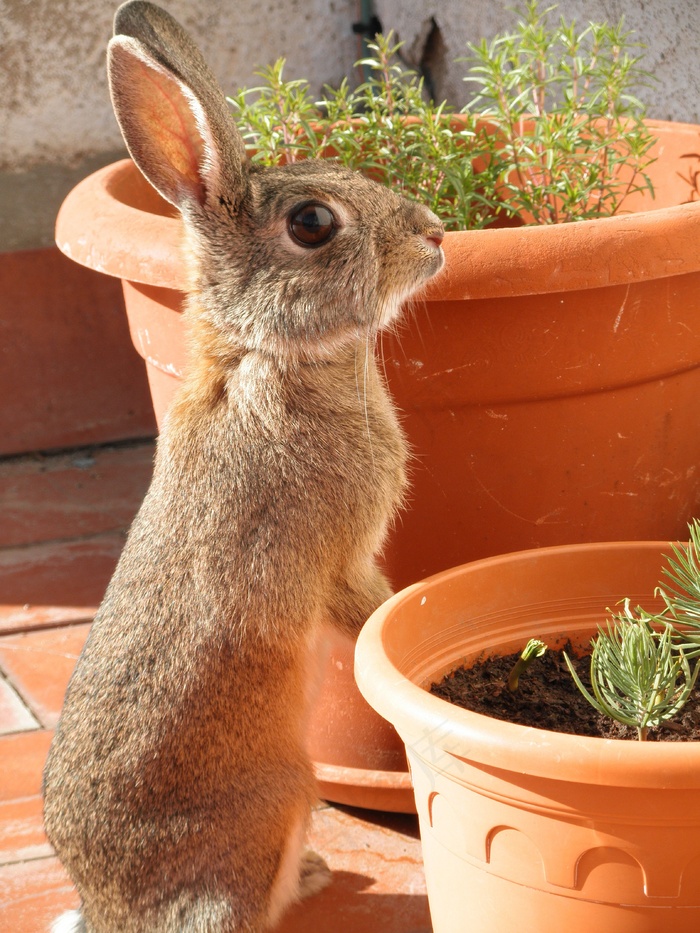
(177, 789)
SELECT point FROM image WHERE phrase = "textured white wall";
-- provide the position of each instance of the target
(54, 105)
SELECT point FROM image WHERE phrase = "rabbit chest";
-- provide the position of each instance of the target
(331, 437)
(304, 465)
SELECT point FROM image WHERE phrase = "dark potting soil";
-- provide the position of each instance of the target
(548, 698)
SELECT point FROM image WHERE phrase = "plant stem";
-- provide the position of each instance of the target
(533, 649)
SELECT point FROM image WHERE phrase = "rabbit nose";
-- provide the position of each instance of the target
(435, 237)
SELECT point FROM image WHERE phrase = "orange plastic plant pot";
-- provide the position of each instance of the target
(550, 831)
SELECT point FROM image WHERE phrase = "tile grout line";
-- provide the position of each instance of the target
(28, 859)
(40, 456)
(118, 531)
(23, 628)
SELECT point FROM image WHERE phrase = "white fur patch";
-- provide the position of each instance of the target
(70, 922)
(285, 889)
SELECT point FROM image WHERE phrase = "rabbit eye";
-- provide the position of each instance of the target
(312, 224)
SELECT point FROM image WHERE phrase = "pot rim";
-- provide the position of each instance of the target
(145, 247)
(500, 745)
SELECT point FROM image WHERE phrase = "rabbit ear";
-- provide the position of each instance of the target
(173, 117)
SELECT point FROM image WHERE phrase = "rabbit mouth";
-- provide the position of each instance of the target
(393, 307)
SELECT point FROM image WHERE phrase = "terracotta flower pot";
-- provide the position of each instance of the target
(548, 383)
(358, 757)
(521, 826)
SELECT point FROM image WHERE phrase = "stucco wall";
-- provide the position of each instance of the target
(669, 28)
(54, 103)
(56, 122)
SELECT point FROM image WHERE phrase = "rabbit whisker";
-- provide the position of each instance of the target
(362, 391)
(382, 357)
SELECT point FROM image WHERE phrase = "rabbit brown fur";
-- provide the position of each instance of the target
(178, 788)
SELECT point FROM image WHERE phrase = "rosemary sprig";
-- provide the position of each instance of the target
(639, 676)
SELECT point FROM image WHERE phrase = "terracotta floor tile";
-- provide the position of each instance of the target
(22, 834)
(14, 714)
(71, 495)
(33, 894)
(59, 573)
(22, 758)
(39, 665)
(378, 883)
(70, 375)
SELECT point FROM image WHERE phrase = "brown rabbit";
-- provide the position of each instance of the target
(177, 788)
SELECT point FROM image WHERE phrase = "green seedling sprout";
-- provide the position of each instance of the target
(639, 676)
(533, 649)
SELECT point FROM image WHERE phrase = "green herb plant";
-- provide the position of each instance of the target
(555, 133)
(386, 127)
(640, 665)
(680, 591)
(639, 676)
(570, 142)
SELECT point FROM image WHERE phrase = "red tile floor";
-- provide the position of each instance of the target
(62, 524)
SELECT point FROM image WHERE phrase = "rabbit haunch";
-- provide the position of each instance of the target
(178, 787)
